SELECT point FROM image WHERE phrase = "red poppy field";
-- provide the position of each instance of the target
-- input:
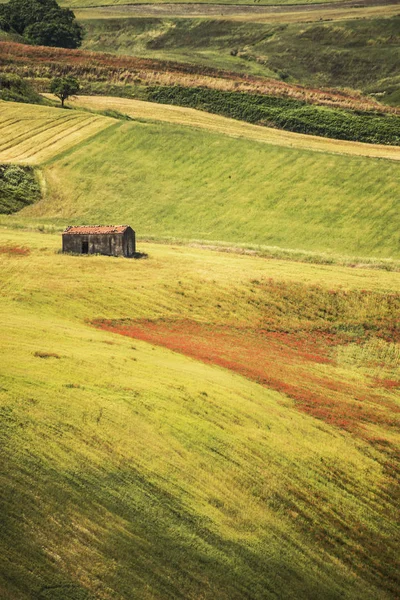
(296, 349)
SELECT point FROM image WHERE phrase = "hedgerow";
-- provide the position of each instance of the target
(285, 113)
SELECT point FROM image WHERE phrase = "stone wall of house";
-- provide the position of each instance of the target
(109, 244)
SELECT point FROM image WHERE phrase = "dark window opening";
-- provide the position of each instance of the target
(85, 247)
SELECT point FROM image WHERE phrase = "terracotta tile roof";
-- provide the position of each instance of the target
(94, 229)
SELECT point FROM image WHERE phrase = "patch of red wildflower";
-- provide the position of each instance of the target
(389, 384)
(285, 362)
(14, 250)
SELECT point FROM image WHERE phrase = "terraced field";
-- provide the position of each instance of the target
(194, 118)
(33, 134)
(125, 71)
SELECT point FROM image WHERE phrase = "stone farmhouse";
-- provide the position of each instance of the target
(110, 240)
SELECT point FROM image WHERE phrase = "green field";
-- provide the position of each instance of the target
(360, 54)
(205, 181)
(218, 418)
(177, 182)
(32, 134)
(131, 471)
(181, 115)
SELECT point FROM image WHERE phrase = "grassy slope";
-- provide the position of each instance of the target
(140, 472)
(138, 109)
(287, 114)
(31, 134)
(361, 54)
(172, 181)
(83, 3)
(127, 76)
(255, 13)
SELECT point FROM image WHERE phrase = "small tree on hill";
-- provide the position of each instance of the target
(64, 87)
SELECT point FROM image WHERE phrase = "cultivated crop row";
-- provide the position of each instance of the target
(34, 134)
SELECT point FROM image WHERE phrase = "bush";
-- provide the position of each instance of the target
(42, 22)
(54, 34)
(15, 89)
(18, 188)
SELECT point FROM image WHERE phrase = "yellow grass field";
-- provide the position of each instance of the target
(236, 13)
(195, 118)
(133, 472)
(32, 134)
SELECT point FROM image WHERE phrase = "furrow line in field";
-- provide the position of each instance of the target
(7, 123)
(54, 131)
(61, 142)
(19, 138)
(37, 130)
(45, 132)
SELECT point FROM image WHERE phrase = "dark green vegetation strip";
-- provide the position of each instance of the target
(16, 89)
(18, 188)
(292, 115)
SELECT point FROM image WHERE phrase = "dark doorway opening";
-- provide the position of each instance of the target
(85, 247)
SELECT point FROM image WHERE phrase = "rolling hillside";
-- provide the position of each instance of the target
(217, 418)
(137, 109)
(179, 182)
(361, 54)
(130, 469)
(128, 76)
(210, 179)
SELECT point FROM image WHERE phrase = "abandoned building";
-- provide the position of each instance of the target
(111, 240)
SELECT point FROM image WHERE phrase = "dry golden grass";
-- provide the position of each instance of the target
(32, 134)
(237, 13)
(231, 127)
